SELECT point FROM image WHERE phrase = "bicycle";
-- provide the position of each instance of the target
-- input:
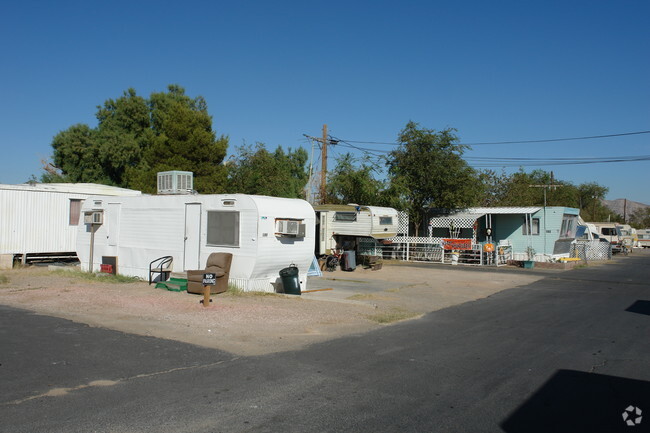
(332, 262)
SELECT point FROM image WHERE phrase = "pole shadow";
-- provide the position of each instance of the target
(575, 401)
(640, 307)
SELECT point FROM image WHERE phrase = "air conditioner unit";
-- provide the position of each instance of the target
(291, 228)
(175, 182)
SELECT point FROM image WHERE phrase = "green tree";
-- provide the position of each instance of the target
(590, 196)
(494, 187)
(536, 188)
(255, 170)
(525, 189)
(640, 219)
(429, 167)
(353, 181)
(183, 139)
(77, 155)
(137, 137)
(123, 132)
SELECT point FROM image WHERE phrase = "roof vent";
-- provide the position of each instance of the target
(175, 182)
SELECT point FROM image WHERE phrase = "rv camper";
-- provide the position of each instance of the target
(339, 227)
(643, 238)
(264, 234)
(39, 221)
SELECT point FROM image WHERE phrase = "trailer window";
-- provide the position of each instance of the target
(223, 228)
(530, 227)
(75, 211)
(568, 229)
(345, 216)
(385, 221)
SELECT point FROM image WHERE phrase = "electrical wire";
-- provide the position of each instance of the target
(549, 140)
(379, 155)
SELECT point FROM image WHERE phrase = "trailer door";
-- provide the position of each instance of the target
(192, 236)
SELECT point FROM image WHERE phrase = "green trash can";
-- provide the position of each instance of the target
(290, 280)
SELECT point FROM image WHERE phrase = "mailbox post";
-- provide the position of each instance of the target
(94, 219)
(209, 279)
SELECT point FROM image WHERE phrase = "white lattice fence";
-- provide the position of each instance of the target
(592, 250)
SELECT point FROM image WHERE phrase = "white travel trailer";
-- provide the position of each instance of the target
(643, 238)
(340, 226)
(264, 234)
(39, 220)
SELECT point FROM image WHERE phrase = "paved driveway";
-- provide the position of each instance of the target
(566, 353)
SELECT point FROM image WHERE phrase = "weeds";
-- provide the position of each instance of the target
(361, 297)
(104, 278)
(394, 315)
(237, 292)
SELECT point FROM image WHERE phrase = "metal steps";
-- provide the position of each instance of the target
(174, 284)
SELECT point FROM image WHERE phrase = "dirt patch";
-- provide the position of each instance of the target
(252, 324)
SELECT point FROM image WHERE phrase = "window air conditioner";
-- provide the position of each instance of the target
(291, 228)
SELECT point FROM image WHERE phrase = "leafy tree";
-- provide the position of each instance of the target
(430, 168)
(123, 132)
(183, 139)
(77, 155)
(254, 170)
(590, 196)
(640, 219)
(516, 190)
(137, 137)
(533, 189)
(352, 181)
(494, 187)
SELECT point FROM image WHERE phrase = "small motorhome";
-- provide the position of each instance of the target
(339, 227)
(264, 234)
(643, 238)
(608, 231)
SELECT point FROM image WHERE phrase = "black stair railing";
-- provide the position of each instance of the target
(162, 266)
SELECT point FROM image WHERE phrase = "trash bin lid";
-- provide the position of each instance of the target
(290, 271)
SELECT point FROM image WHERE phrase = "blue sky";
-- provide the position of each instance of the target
(273, 71)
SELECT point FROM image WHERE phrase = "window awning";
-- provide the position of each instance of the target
(385, 235)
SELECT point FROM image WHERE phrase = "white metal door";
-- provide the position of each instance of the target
(113, 223)
(192, 236)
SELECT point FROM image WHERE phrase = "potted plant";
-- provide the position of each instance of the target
(530, 263)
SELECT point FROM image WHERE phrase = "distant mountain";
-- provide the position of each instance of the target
(619, 206)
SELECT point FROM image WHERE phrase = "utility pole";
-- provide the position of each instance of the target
(553, 186)
(323, 174)
(324, 141)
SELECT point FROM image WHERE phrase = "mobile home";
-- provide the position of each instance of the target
(264, 234)
(339, 227)
(40, 220)
(532, 233)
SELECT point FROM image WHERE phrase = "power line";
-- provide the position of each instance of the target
(586, 159)
(549, 140)
(555, 162)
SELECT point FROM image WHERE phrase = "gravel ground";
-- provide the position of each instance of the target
(337, 304)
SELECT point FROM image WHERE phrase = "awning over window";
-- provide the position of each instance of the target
(384, 235)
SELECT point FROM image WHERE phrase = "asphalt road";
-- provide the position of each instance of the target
(568, 353)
